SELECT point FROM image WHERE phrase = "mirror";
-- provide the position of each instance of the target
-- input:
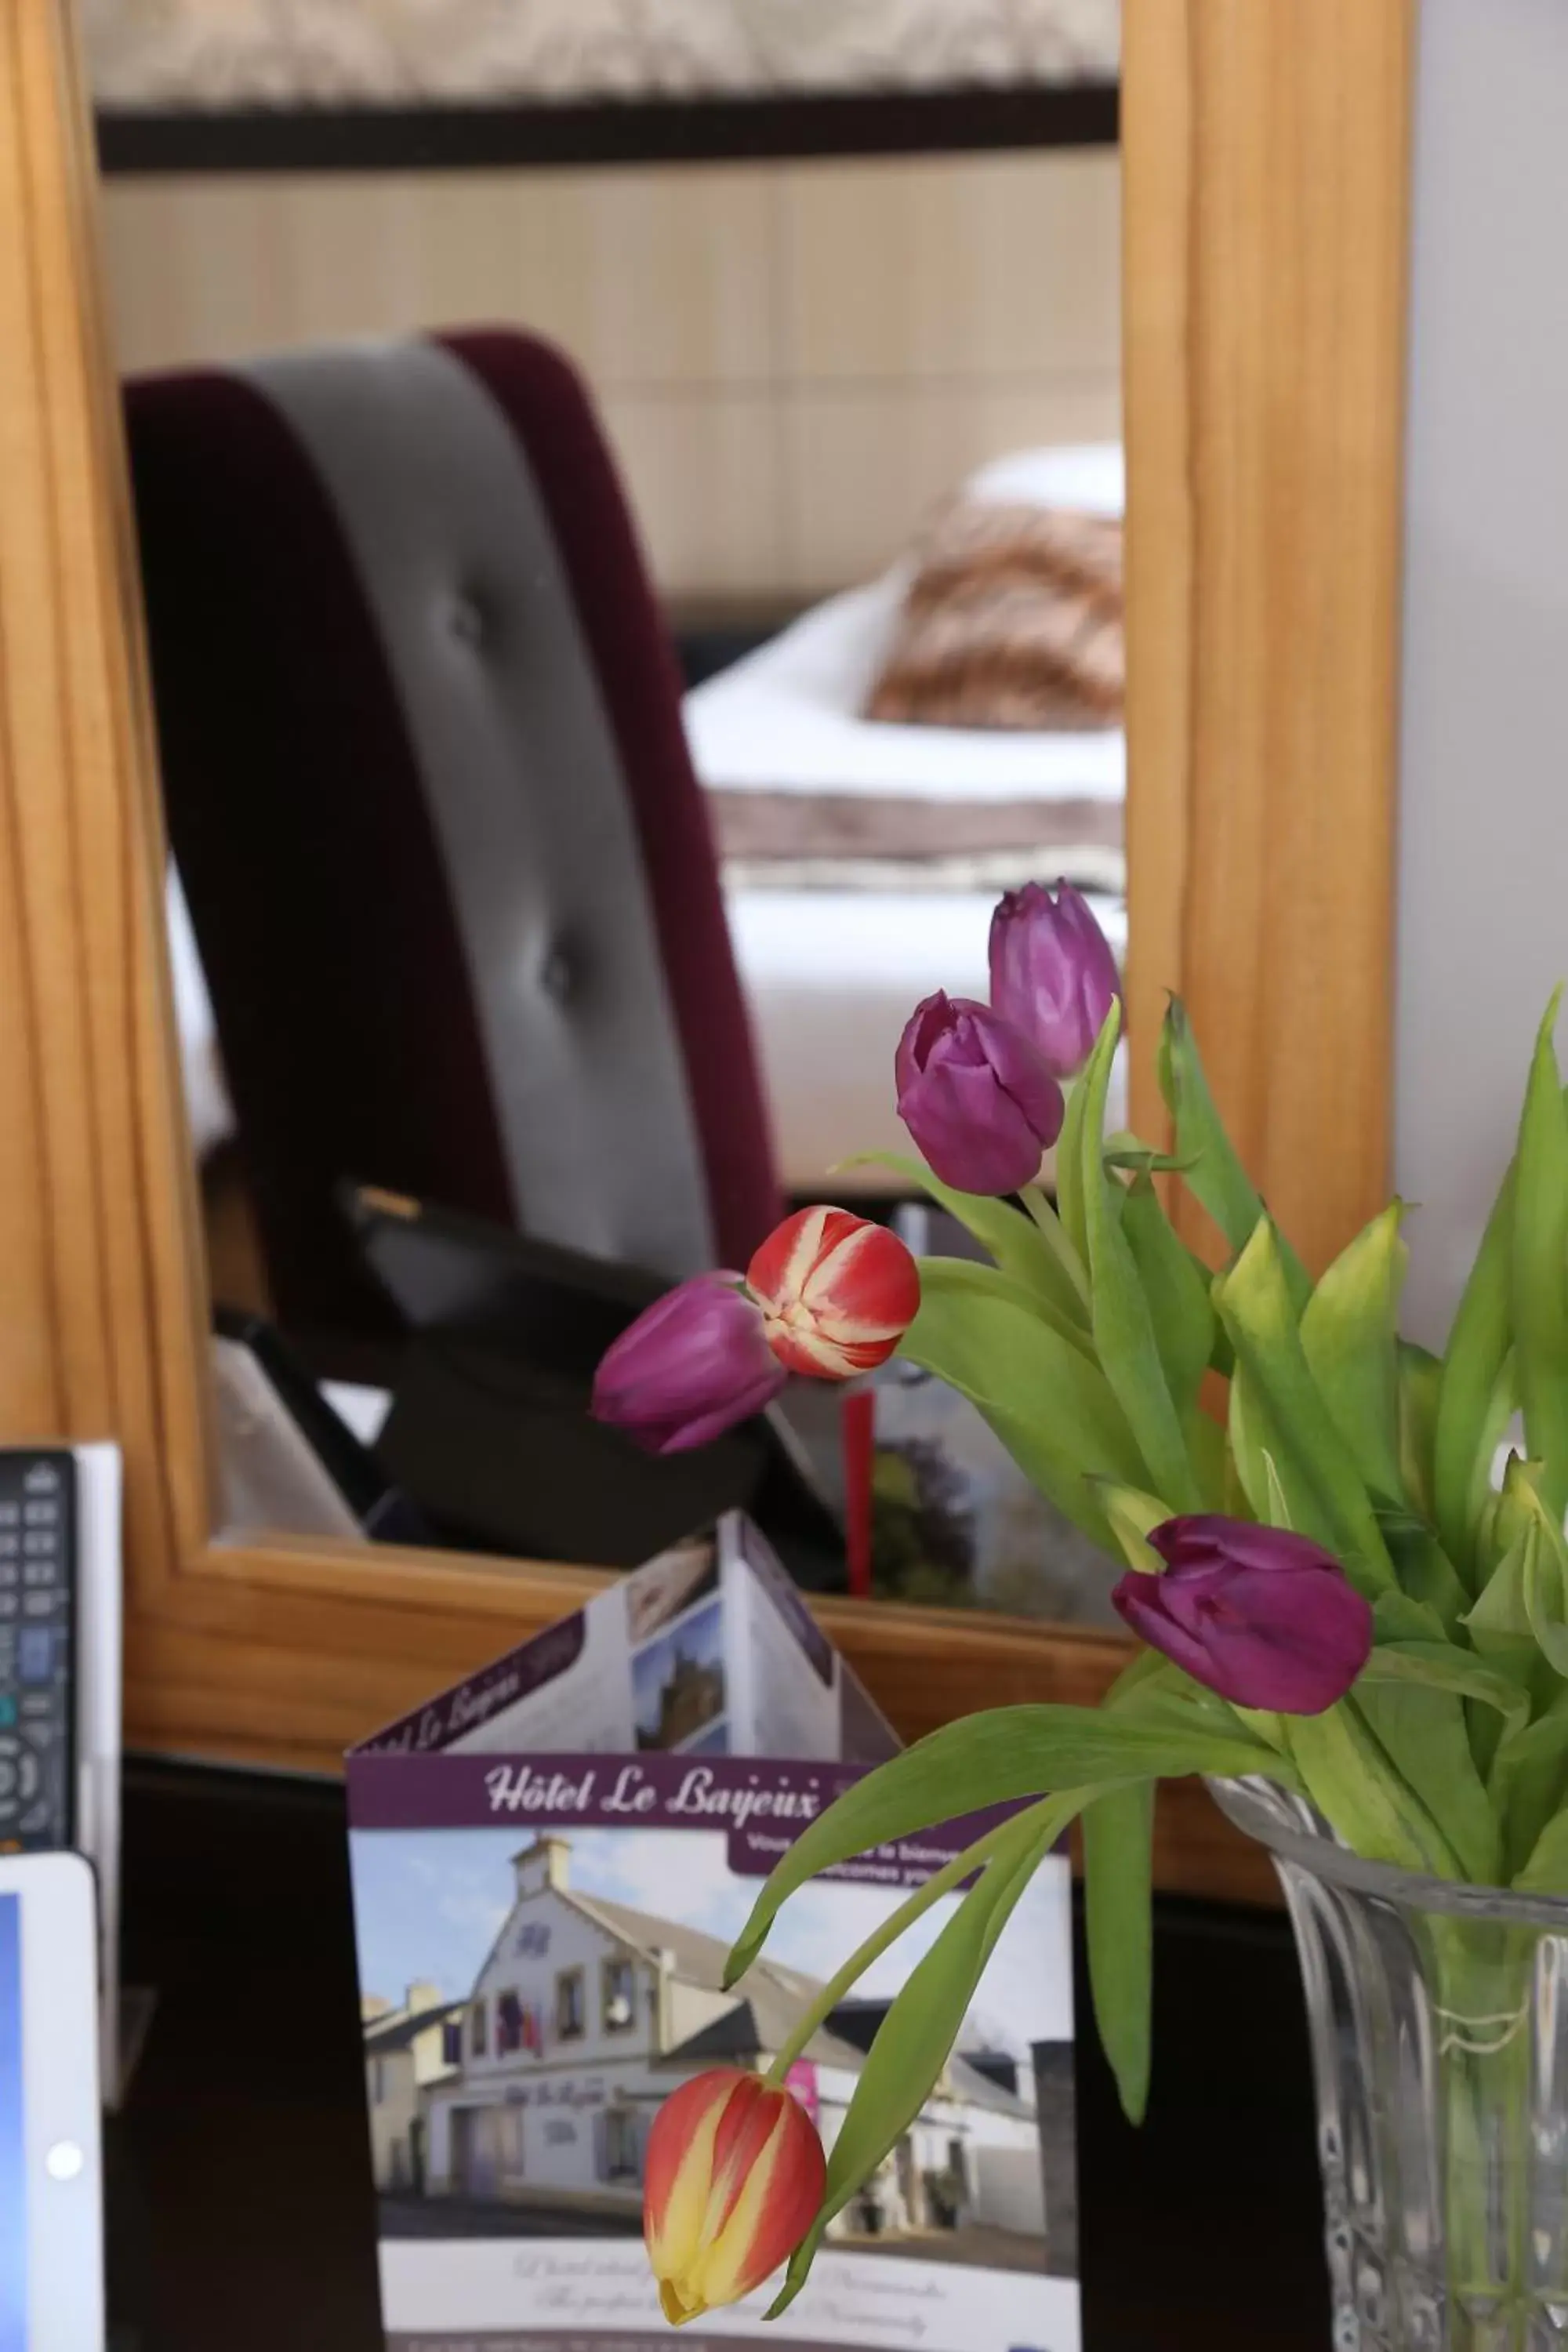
(432, 903)
(1264, 186)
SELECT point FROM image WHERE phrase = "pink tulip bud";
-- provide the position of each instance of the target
(733, 2178)
(693, 1364)
(1053, 974)
(837, 1293)
(975, 1095)
(1265, 1618)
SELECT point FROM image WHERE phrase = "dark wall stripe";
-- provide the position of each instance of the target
(705, 130)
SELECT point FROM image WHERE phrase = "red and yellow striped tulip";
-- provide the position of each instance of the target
(733, 2182)
(838, 1294)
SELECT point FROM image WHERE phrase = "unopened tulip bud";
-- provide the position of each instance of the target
(976, 1096)
(693, 1364)
(733, 2178)
(1266, 1619)
(837, 1292)
(1053, 973)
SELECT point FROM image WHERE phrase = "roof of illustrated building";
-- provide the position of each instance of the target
(384, 2035)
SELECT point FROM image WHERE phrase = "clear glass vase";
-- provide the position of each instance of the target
(1440, 2030)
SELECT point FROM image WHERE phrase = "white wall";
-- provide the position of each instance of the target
(1483, 865)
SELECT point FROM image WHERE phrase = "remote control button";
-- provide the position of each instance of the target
(41, 1479)
(36, 1571)
(10, 1513)
(9, 1546)
(40, 1546)
(35, 1703)
(9, 1808)
(40, 1514)
(10, 1575)
(8, 1780)
(10, 1748)
(37, 1605)
(28, 1777)
(8, 1604)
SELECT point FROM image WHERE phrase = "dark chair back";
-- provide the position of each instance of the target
(448, 864)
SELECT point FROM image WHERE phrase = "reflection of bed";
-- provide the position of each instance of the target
(833, 961)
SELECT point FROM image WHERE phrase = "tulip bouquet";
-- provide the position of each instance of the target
(1334, 1595)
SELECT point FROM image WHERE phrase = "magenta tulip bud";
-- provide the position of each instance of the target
(1053, 974)
(692, 1365)
(975, 1096)
(1265, 1618)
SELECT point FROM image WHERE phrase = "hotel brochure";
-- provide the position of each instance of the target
(549, 1862)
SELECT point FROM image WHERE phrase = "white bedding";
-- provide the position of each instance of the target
(833, 976)
(787, 718)
(831, 979)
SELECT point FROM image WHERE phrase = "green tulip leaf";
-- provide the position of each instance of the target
(1351, 1781)
(1473, 1364)
(1539, 1261)
(1420, 1378)
(915, 2039)
(1130, 1515)
(1457, 1673)
(1349, 1337)
(1424, 1569)
(1546, 1872)
(1254, 1305)
(1055, 1413)
(1274, 1484)
(1012, 1239)
(1180, 1308)
(1216, 1177)
(1529, 1781)
(1072, 1206)
(1006, 1754)
(1121, 1317)
(953, 1276)
(1118, 1865)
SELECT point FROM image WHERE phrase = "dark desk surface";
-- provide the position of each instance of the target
(240, 2208)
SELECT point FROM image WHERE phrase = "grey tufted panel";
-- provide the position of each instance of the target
(524, 787)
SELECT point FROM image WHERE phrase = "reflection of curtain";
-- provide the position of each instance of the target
(279, 52)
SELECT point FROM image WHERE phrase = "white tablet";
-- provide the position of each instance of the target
(51, 2187)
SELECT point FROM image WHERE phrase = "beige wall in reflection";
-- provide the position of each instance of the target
(793, 361)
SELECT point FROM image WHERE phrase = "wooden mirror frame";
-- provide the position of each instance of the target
(1266, 182)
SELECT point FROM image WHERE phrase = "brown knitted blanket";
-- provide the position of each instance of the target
(1013, 619)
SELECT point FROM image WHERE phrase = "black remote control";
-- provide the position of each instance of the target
(37, 1648)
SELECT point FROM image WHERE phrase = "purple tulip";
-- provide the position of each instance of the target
(1053, 974)
(975, 1096)
(693, 1364)
(1265, 1618)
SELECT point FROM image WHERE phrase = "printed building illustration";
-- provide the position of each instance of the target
(586, 2014)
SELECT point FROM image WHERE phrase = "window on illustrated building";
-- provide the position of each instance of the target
(377, 2081)
(509, 2024)
(571, 2006)
(620, 2145)
(477, 2033)
(619, 1995)
(452, 2042)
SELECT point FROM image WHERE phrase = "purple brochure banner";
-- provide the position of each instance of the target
(517, 1676)
(763, 1806)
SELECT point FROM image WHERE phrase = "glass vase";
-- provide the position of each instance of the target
(1438, 2018)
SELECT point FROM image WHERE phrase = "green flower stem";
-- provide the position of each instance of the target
(1050, 1225)
(951, 1874)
